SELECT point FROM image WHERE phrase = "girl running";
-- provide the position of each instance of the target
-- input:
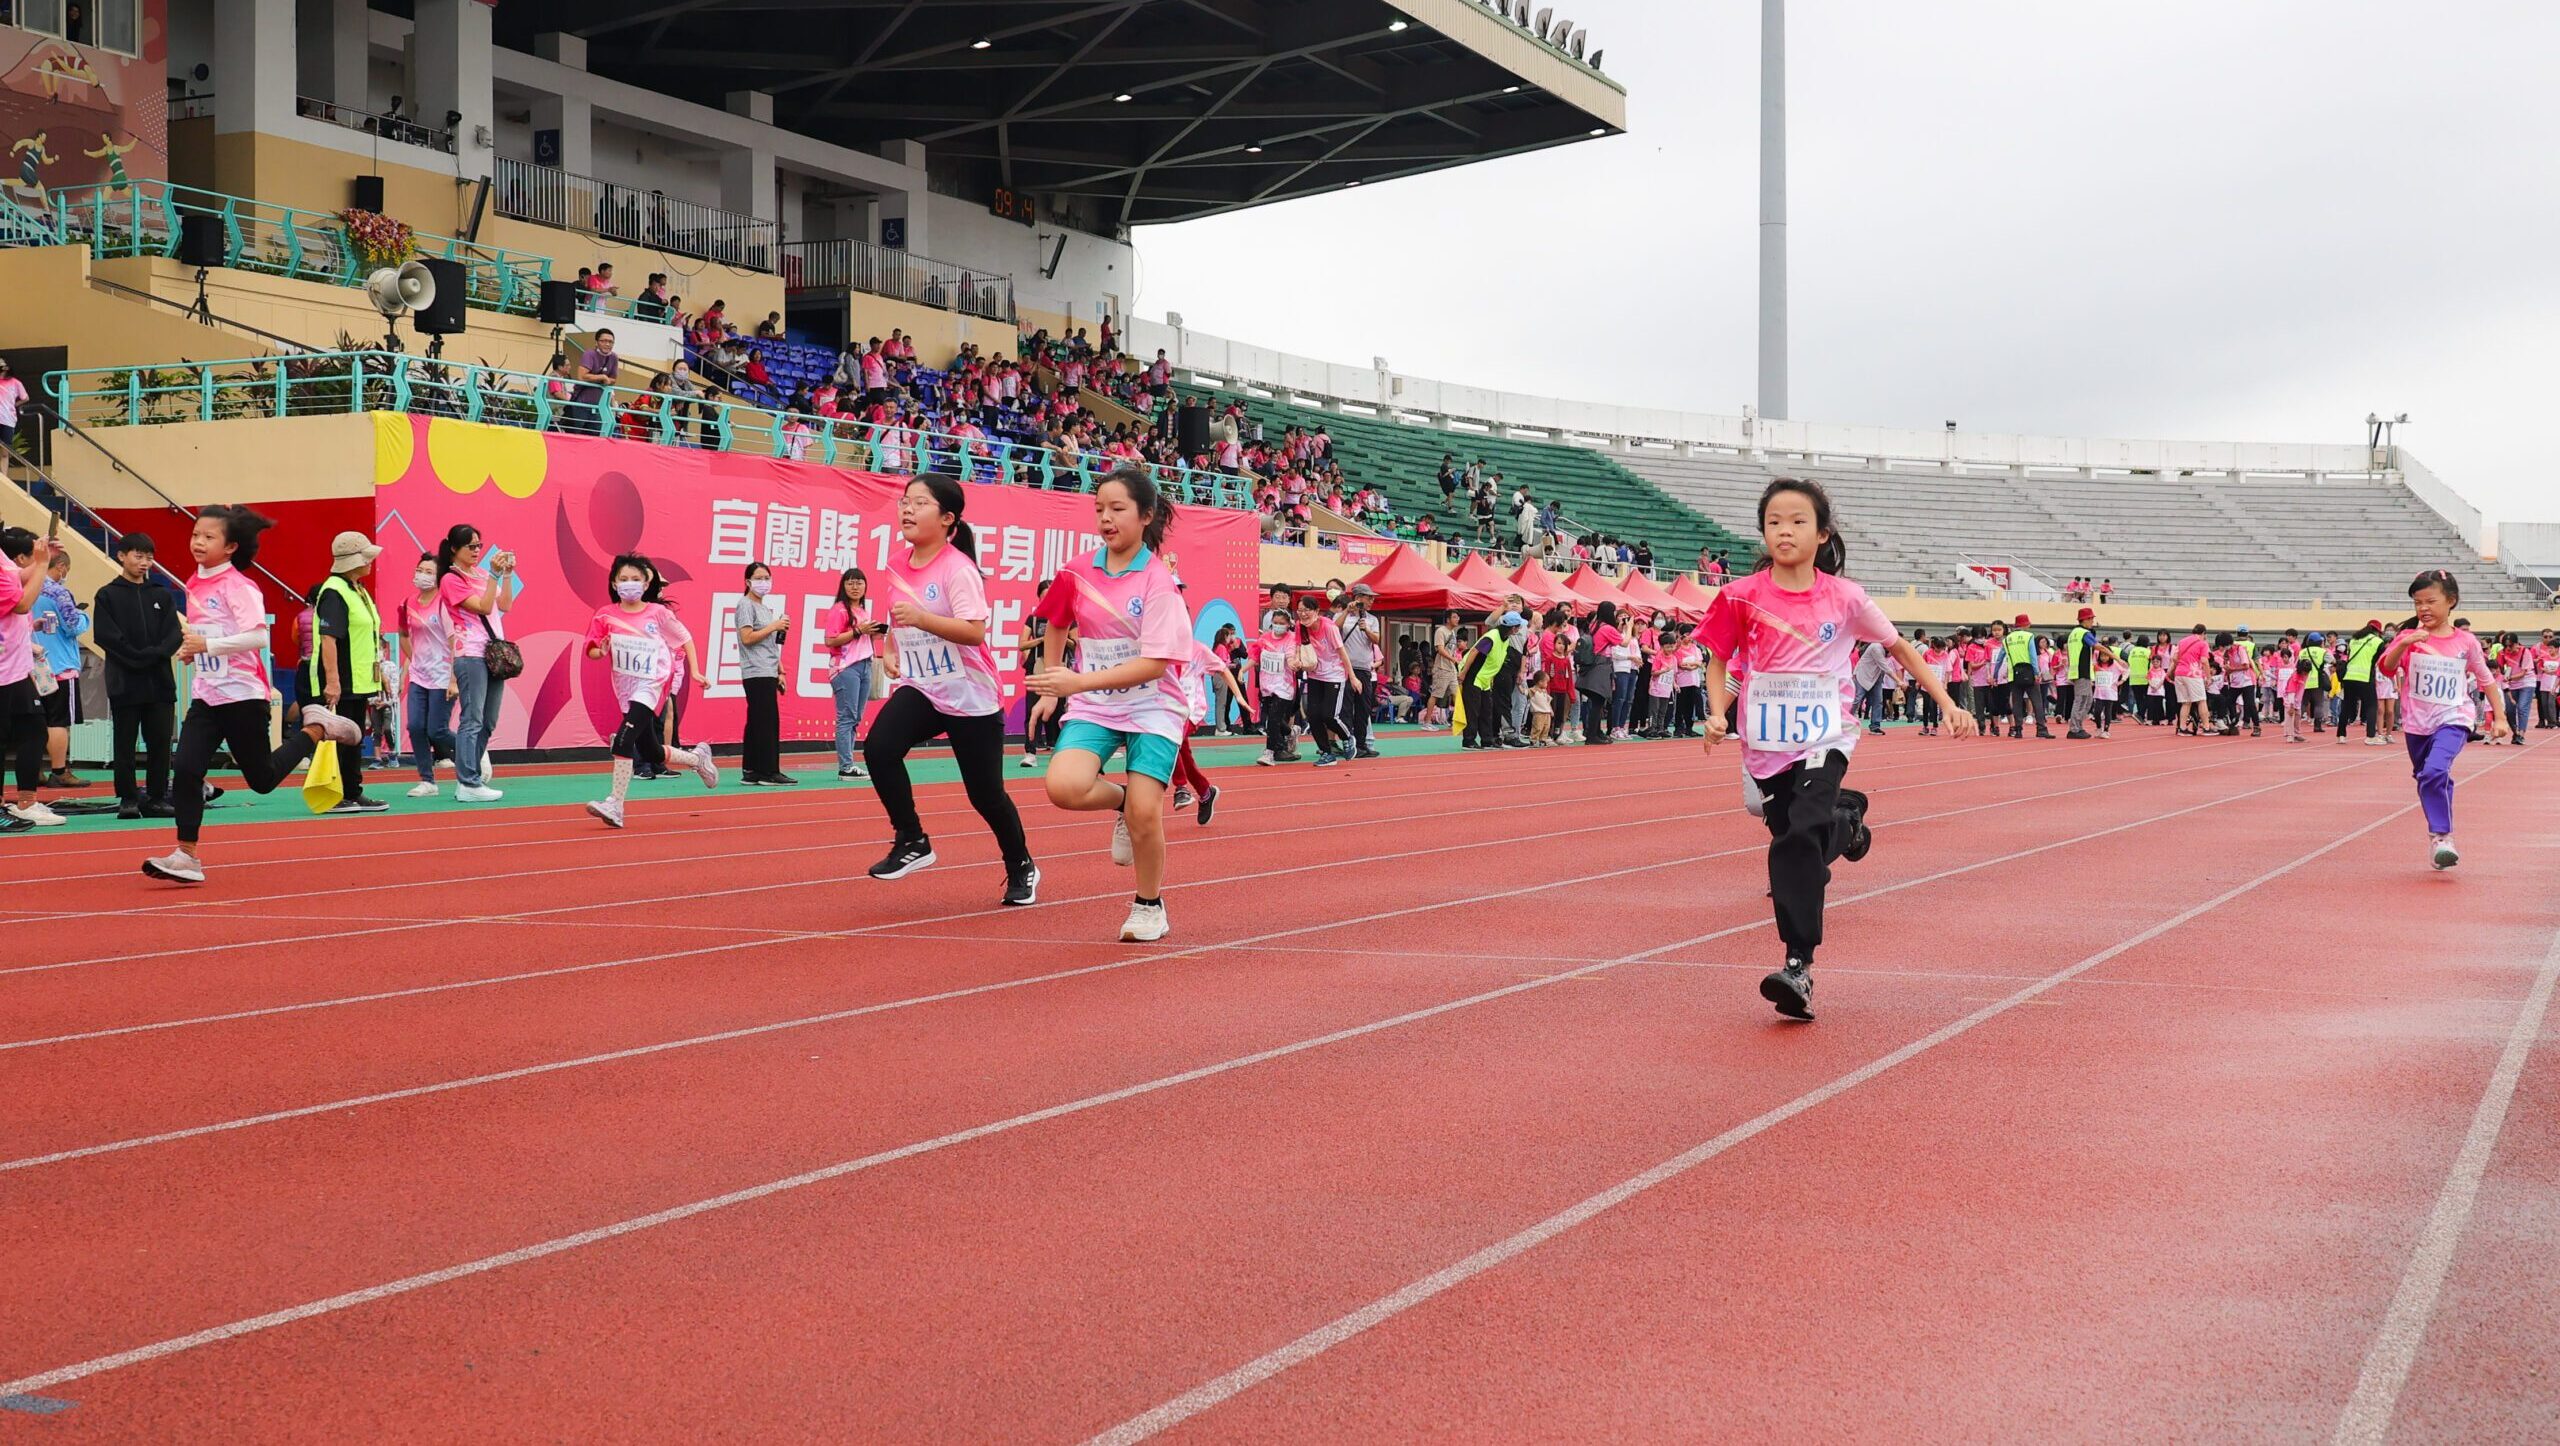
(1793, 627)
(1133, 636)
(849, 633)
(226, 639)
(942, 682)
(2436, 664)
(638, 636)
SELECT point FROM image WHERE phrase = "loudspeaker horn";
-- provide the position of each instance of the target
(417, 285)
(383, 289)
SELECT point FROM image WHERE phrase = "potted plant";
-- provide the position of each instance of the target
(376, 239)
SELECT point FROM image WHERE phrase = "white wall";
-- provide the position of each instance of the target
(965, 233)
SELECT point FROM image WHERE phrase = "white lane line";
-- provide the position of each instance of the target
(1191, 840)
(2367, 1419)
(886, 929)
(407, 1284)
(1323, 1338)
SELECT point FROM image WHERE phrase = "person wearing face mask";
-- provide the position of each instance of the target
(762, 629)
(637, 637)
(426, 714)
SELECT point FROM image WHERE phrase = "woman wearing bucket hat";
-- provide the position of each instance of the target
(344, 671)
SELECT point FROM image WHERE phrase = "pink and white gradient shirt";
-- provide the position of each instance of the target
(429, 657)
(230, 614)
(1120, 617)
(2435, 682)
(641, 649)
(959, 681)
(1796, 646)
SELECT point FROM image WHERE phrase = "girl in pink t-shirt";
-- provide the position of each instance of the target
(942, 683)
(1133, 646)
(638, 639)
(226, 639)
(2436, 665)
(1793, 628)
(849, 633)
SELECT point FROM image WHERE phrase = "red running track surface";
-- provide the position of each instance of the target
(2160, 1091)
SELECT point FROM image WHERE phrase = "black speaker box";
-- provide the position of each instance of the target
(445, 315)
(1191, 430)
(202, 241)
(369, 194)
(559, 303)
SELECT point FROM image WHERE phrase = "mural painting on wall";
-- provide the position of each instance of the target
(77, 115)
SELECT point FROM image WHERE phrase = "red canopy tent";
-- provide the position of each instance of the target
(1690, 597)
(1477, 575)
(1645, 593)
(1405, 583)
(1541, 586)
(1587, 584)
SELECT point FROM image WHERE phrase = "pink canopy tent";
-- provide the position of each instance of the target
(1645, 593)
(1587, 584)
(1475, 574)
(1543, 587)
(1405, 583)
(1689, 597)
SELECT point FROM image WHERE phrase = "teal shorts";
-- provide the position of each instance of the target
(1149, 753)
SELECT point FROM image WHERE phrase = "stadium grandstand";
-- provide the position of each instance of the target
(564, 427)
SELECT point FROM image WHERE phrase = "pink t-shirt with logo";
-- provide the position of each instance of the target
(17, 629)
(1773, 637)
(466, 632)
(223, 604)
(641, 649)
(838, 619)
(2435, 682)
(2188, 660)
(429, 655)
(1119, 618)
(957, 680)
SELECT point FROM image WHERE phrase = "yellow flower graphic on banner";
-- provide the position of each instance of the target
(468, 455)
(395, 446)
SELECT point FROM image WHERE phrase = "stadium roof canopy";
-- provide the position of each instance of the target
(1143, 110)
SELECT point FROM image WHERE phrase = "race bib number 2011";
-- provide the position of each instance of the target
(1791, 712)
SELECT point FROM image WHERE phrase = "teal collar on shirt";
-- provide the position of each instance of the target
(1102, 561)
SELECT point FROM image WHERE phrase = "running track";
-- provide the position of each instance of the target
(2160, 1092)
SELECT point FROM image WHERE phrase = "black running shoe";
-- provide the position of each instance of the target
(905, 857)
(1208, 803)
(1021, 883)
(1791, 989)
(1852, 812)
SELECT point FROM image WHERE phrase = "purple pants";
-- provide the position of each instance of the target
(2431, 758)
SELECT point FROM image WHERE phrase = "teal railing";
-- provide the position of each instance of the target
(327, 383)
(141, 218)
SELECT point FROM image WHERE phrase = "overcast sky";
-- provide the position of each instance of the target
(2245, 220)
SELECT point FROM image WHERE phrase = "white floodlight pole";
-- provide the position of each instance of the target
(1773, 209)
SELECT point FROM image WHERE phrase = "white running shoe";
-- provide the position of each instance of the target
(1146, 924)
(1265, 760)
(1123, 852)
(2377, 742)
(477, 793)
(179, 867)
(607, 810)
(426, 790)
(37, 814)
(705, 766)
(2444, 855)
(332, 727)
(1031, 760)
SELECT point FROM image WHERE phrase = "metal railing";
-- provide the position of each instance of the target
(899, 275)
(338, 383)
(548, 196)
(142, 218)
(389, 127)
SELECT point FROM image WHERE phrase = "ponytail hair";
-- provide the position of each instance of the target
(1832, 556)
(1150, 501)
(456, 538)
(241, 526)
(953, 501)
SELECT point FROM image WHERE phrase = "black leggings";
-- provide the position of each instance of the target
(1803, 814)
(1276, 714)
(242, 727)
(22, 733)
(761, 753)
(638, 738)
(977, 745)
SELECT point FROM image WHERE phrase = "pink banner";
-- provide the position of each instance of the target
(1365, 551)
(566, 505)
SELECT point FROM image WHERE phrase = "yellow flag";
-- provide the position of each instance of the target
(322, 789)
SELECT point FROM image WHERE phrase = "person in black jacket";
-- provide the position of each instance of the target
(139, 622)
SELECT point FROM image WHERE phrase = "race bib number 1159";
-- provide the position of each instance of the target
(1791, 712)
